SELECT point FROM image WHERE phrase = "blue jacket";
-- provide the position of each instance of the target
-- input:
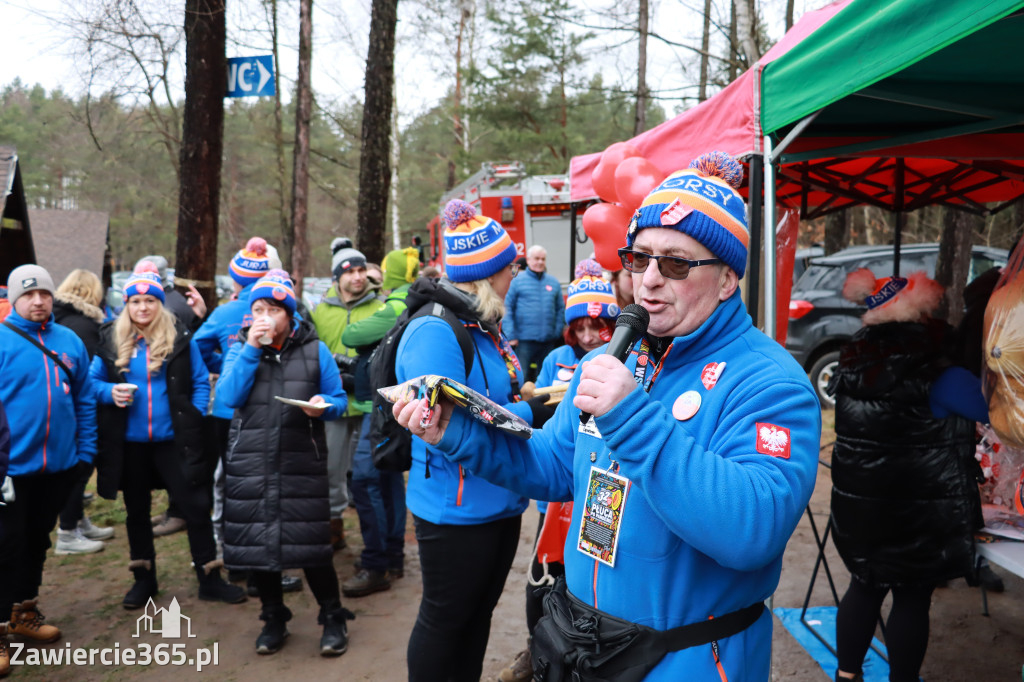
(149, 415)
(454, 494)
(558, 367)
(240, 369)
(55, 422)
(218, 333)
(713, 498)
(5, 443)
(534, 308)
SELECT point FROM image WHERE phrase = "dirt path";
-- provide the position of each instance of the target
(82, 594)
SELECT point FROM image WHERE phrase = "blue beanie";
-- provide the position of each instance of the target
(275, 286)
(145, 280)
(475, 247)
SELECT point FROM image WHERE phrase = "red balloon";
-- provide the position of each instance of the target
(635, 177)
(606, 225)
(603, 178)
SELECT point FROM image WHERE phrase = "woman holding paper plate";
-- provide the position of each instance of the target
(466, 527)
(283, 385)
(152, 389)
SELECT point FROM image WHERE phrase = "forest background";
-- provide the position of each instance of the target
(536, 81)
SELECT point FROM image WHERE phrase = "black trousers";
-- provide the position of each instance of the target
(464, 570)
(323, 582)
(25, 526)
(144, 465)
(73, 510)
(906, 629)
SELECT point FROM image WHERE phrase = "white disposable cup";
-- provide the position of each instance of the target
(268, 338)
(131, 388)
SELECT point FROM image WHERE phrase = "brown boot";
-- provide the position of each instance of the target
(520, 670)
(5, 654)
(338, 534)
(28, 622)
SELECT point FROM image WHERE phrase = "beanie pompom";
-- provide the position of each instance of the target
(257, 246)
(720, 165)
(457, 212)
(340, 243)
(147, 266)
(277, 272)
(588, 266)
(859, 285)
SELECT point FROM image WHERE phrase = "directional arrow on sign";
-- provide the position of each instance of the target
(265, 76)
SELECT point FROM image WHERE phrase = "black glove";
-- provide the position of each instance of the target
(348, 382)
(541, 412)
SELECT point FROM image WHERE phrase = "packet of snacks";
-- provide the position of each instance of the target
(1003, 360)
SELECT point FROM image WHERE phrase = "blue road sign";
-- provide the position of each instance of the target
(251, 76)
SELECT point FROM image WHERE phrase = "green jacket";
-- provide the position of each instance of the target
(331, 318)
(369, 330)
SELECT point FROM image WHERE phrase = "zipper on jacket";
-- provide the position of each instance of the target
(312, 439)
(462, 480)
(49, 396)
(149, 390)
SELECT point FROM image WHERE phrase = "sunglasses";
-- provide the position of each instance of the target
(669, 266)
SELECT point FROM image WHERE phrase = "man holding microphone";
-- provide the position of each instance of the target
(689, 470)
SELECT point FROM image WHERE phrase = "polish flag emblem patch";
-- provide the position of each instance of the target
(773, 440)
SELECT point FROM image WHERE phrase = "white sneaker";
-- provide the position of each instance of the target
(94, 532)
(73, 542)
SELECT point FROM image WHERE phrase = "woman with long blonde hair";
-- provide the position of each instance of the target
(76, 305)
(152, 389)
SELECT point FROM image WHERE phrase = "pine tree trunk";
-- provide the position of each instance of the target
(705, 45)
(284, 248)
(374, 159)
(202, 141)
(640, 114)
(954, 261)
(300, 167)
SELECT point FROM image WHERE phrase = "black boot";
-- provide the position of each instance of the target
(335, 638)
(275, 631)
(214, 588)
(145, 586)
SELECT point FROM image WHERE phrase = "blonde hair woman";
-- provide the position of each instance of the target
(152, 389)
(465, 526)
(76, 305)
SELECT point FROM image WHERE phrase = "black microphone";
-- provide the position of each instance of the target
(631, 323)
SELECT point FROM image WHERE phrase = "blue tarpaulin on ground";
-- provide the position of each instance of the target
(823, 620)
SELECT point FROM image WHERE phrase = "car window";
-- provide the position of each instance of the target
(980, 263)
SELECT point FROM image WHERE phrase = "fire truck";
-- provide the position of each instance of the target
(533, 209)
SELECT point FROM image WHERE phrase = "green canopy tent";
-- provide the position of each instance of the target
(897, 104)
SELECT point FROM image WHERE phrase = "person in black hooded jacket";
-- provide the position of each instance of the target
(905, 501)
(276, 505)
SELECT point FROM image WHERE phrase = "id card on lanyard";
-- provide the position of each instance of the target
(602, 515)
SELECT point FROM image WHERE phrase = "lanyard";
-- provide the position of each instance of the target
(643, 362)
(511, 363)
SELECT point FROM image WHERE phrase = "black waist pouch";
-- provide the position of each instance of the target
(574, 642)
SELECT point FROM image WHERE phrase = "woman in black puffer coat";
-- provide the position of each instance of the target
(905, 499)
(276, 507)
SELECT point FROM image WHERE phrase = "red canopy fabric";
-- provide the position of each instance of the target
(728, 122)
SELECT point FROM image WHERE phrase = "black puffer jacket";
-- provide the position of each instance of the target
(276, 507)
(904, 493)
(187, 421)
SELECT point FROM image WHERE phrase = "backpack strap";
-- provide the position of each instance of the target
(46, 351)
(461, 335)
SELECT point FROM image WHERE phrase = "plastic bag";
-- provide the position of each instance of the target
(1003, 369)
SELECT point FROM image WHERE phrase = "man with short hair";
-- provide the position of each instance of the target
(48, 397)
(534, 313)
(690, 462)
(349, 300)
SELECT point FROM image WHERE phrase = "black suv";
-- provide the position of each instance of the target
(821, 320)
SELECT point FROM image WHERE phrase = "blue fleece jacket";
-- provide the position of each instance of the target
(218, 333)
(5, 444)
(149, 415)
(558, 367)
(55, 422)
(454, 494)
(534, 307)
(713, 498)
(240, 371)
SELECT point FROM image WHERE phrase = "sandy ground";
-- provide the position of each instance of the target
(82, 594)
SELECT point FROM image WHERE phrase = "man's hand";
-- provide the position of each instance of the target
(196, 302)
(604, 382)
(316, 411)
(428, 424)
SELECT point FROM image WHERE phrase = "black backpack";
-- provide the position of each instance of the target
(391, 444)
